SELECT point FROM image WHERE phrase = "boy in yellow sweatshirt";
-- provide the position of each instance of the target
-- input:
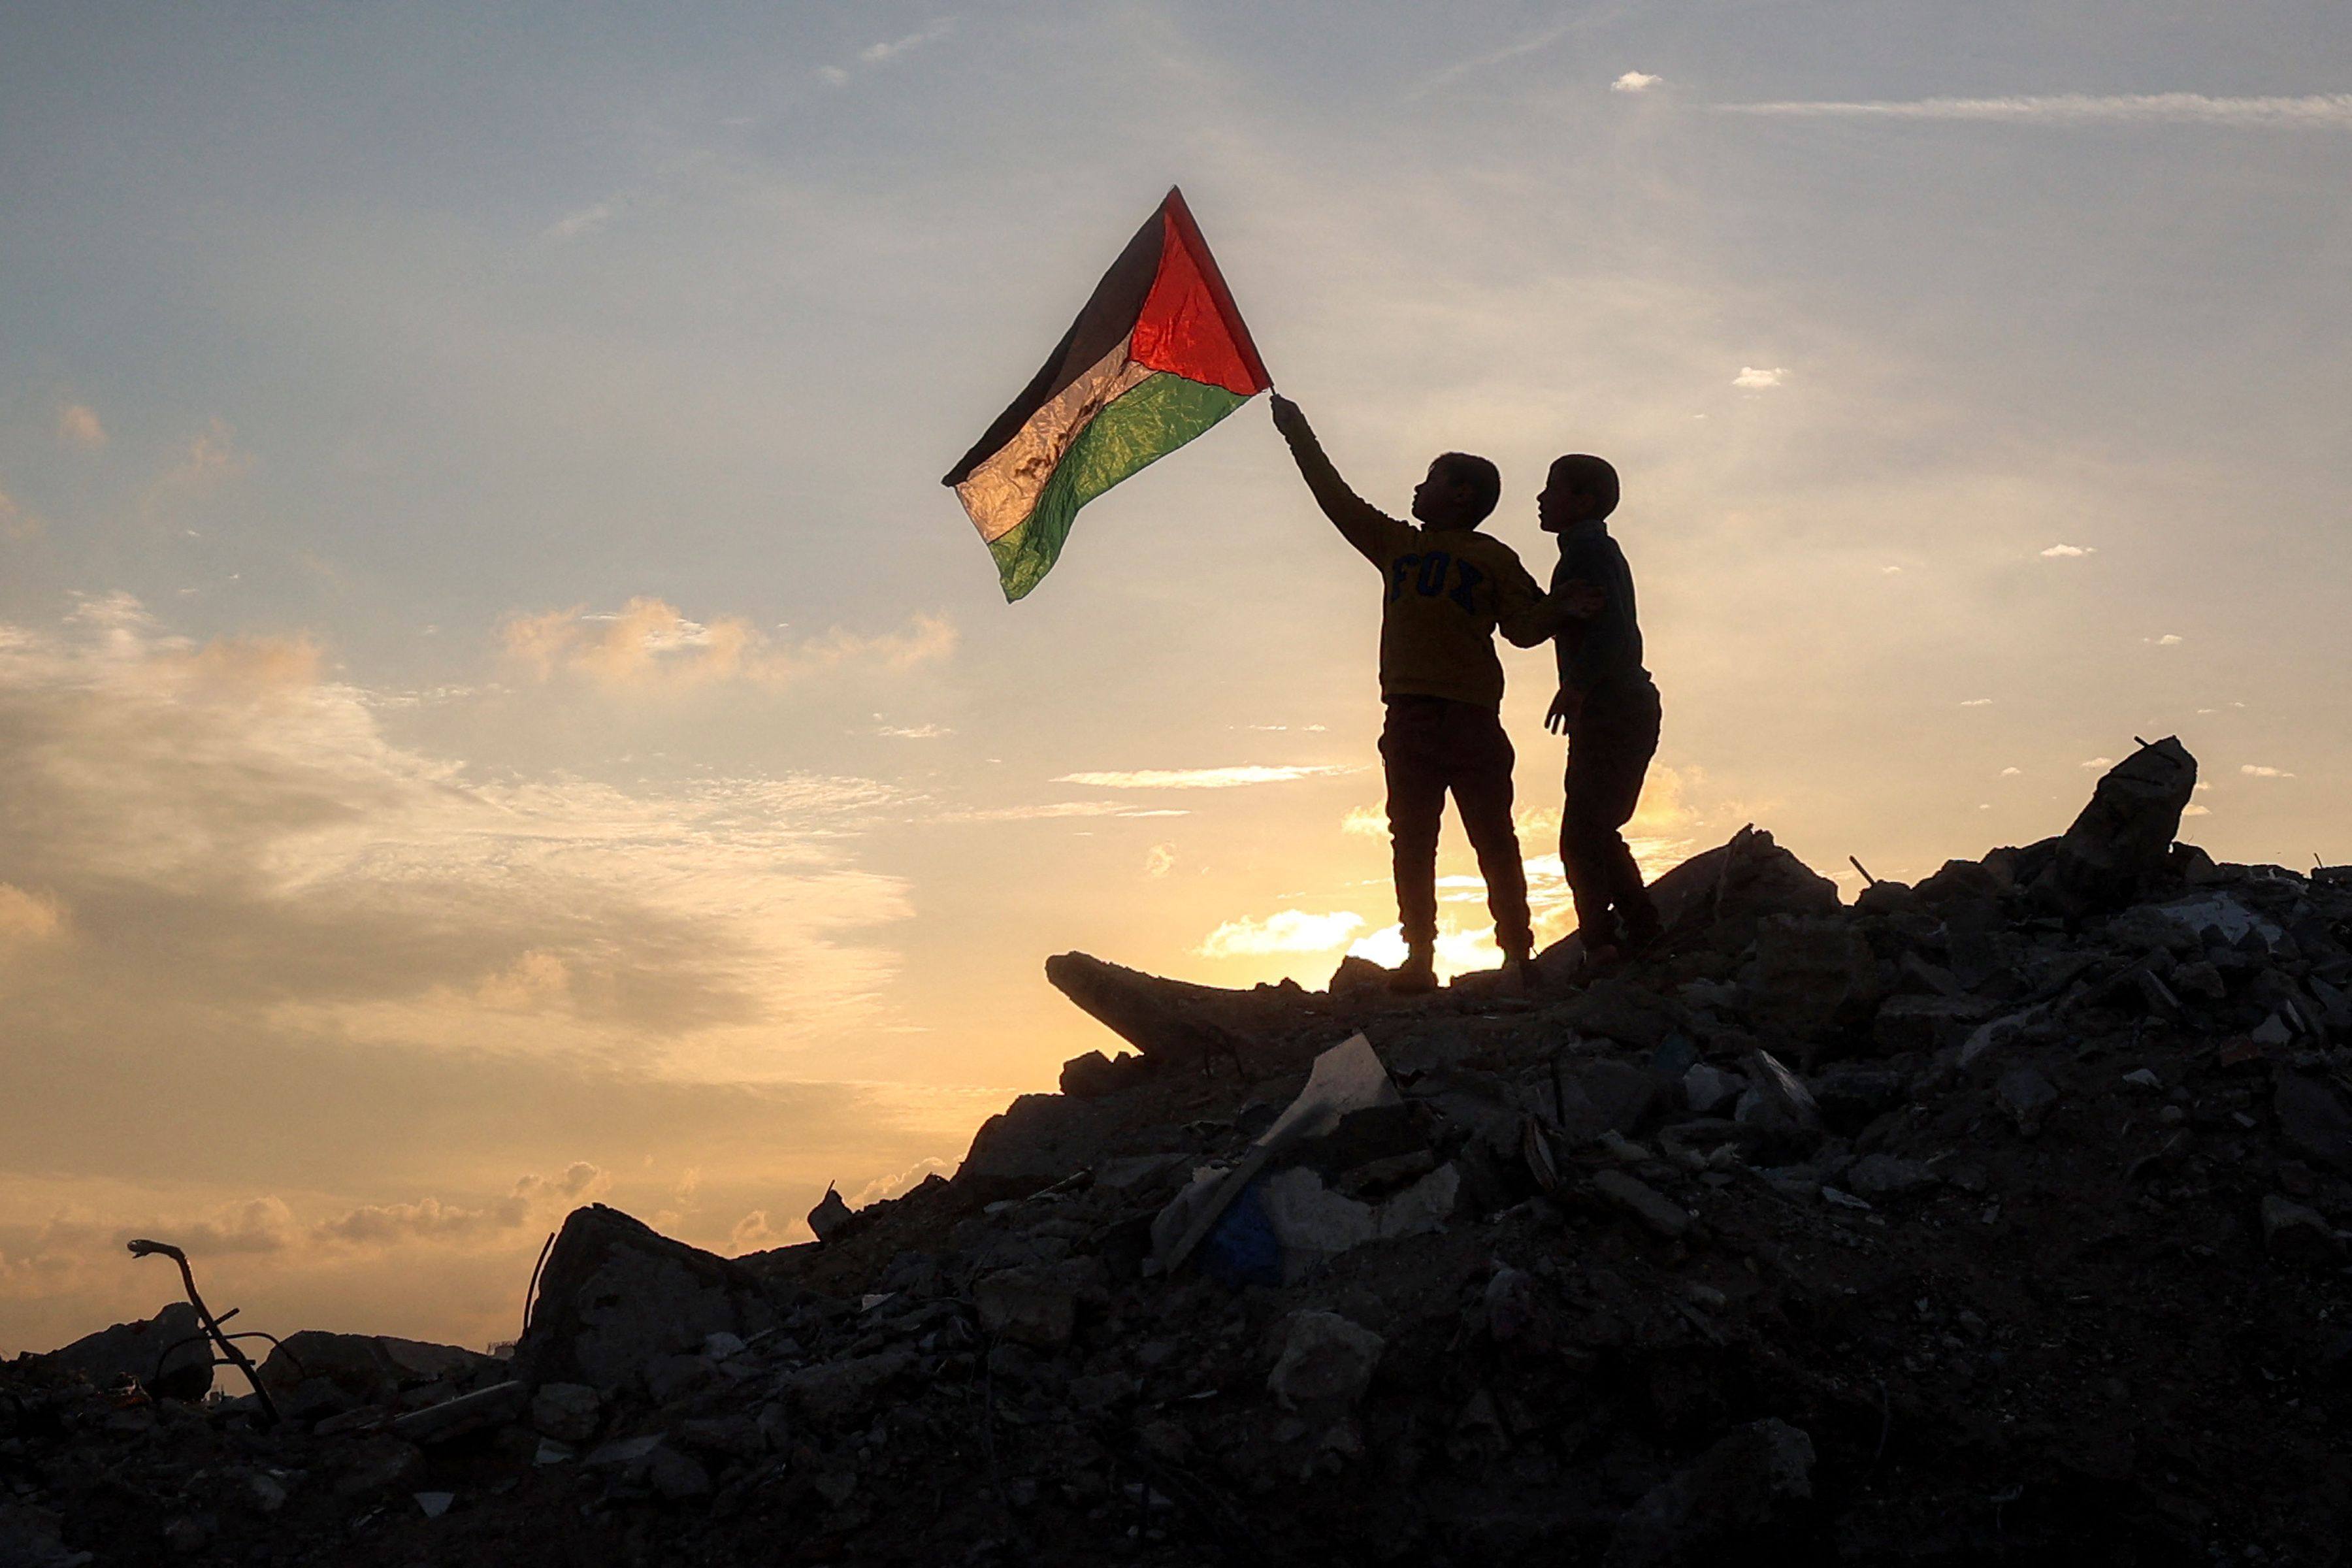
(1446, 588)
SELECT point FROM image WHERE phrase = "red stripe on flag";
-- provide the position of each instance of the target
(1189, 326)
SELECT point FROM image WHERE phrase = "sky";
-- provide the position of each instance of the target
(496, 710)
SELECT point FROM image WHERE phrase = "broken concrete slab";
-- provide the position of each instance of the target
(1325, 1360)
(2119, 849)
(166, 1353)
(616, 1296)
(1645, 1203)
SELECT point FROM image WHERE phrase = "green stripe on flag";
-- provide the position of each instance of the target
(1139, 426)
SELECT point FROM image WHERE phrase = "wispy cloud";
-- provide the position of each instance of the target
(2170, 639)
(532, 1198)
(1533, 44)
(1978, 702)
(1757, 378)
(16, 522)
(889, 50)
(1048, 810)
(2069, 552)
(584, 221)
(913, 732)
(1158, 860)
(648, 644)
(1202, 778)
(1635, 81)
(2329, 110)
(2257, 771)
(1289, 931)
(78, 425)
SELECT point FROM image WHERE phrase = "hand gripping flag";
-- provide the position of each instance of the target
(1158, 356)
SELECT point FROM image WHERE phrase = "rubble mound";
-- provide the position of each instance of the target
(1995, 1219)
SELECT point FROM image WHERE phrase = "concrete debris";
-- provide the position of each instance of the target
(1325, 1360)
(830, 1216)
(165, 1354)
(2002, 1216)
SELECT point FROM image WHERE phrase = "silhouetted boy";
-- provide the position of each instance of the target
(1447, 587)
(1607, 705)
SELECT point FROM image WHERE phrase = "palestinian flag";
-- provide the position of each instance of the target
(1158, 356)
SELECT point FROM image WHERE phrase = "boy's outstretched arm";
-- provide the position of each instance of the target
(1357, 521)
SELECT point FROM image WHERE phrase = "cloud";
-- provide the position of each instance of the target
(1756, 380)
(534, 1199)
(16, 522)
(210, 459)
(2098, 763)
(753, 1232)
(27, 919)
(2257, 771)
(1289, 931)
(1204, 778)
(2011, 772)
(78, 425)
(883, 1188)
(584, 221)
(256, 1225)
(1366, 822)
(2196, 811)
(2329, 111)
(1158, 861)
(1635, 81)
(234, 836)
(1978, 702)
(913, 732)
(647, 644)
(2068, 551)
(1048, 811)
(1533, 44)
(2170, 639)
(882, 54)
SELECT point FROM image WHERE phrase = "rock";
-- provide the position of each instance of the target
(2027, 1096)
(371, 1467)
(1094, 1075)
(2293, 1232)
(1961, 882)
(493, 1406)
(369, 1369)
(1035, 1304)
(1164, 1019)
(1033, 1142)
(433, 1505)
(675, 1476)
(1923, 1024)
(151, 1350)
(615, 1297)
(2314, 1119)
(1882, 1176)
(1777, 1104)
(1622, 1010)
(567, 1412)
(1813, 977)
(1358, 977)
(623, 1454)
(1311, 1224)
(1707, 1089)
(1326, 1361)
(2117, 851)
(830, 1218)
(1643, 1202)
(31, 1537)
(671, 1378)
(1748, 1489)
(1620, 1092)
(840, 1391)
(1850, 1097)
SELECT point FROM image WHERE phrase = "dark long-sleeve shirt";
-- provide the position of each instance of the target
(1604, 648)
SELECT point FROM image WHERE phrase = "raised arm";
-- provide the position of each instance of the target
(1359, 522)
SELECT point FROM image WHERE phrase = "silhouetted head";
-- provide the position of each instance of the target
(1580, 487)
(1460, 491)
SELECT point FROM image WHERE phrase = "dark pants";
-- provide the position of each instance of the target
(1609, 749)
(1430, 745)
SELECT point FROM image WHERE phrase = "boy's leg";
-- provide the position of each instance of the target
(1482, 793)
(1609, 757)
(1410, 755)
